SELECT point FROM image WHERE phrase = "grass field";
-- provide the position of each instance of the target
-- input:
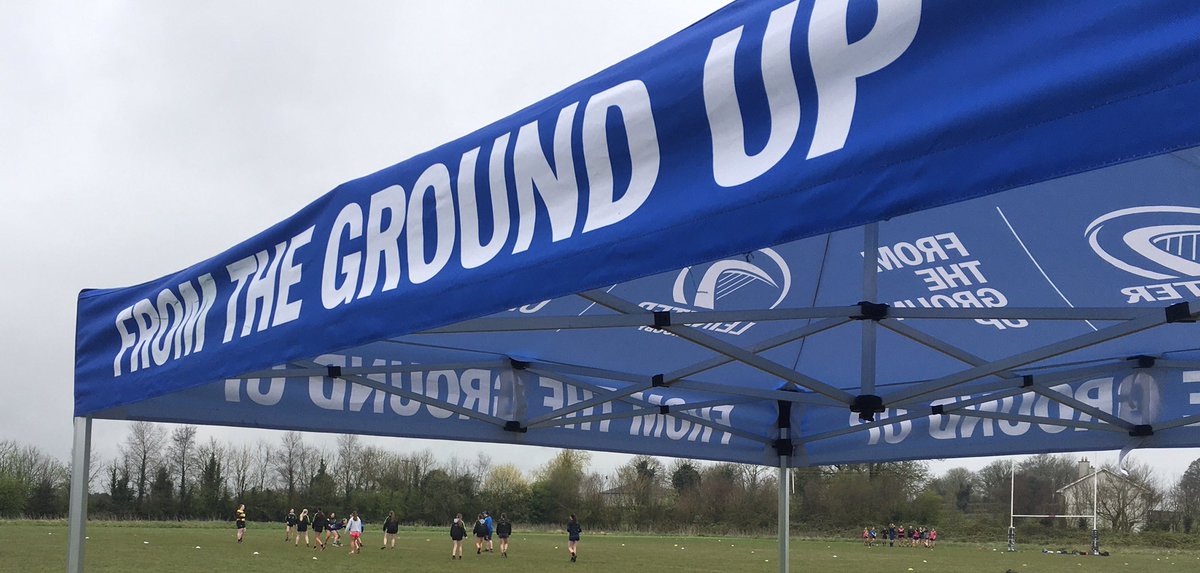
(42, 547)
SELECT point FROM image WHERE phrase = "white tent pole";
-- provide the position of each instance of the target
(81, 451)
(784, 448)
(784, 513)
(870, 293)
(1012, 491)
(1095, 512)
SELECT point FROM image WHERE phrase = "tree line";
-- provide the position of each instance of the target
(170, 474)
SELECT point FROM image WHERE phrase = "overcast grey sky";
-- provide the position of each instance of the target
(137, 138)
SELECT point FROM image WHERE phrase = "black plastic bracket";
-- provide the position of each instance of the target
(1141, 431)
(664, 409)
(662, 319)
(1180, 312)
(657, 381)
(784, 447)
(1027, 381)
(334, 371)
(515, 426)
(1144, 361)
(871, 311)
(866, 406)
(937, 410)
(517, 364)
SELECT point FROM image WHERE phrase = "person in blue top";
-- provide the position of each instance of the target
(487, 520)
(573, 531)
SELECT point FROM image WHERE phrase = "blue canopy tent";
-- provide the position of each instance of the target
(792, 234)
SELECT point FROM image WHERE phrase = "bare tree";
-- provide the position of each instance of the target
(290, 463)
(265, 457)
(180, 453)
(349, 452)
(240, 461)
(1124, 499)
(142, 450)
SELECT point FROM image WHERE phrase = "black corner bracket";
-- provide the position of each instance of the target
(784, 447)
(937, 410)
(515, 426)
(1026, 381)
(662, 319)
(871, 311)
(656, 381)
(1180, 312)
(866, 406)
(334, 371)
(664, 409)
(1141, 430)
(517, 364)
(1143, 361)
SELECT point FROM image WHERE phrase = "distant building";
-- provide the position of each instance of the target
(1120, 499)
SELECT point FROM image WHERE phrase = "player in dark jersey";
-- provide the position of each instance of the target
(458, 532)
(480, 531)
(391, 526)
(333, 529)
(318, 524)
(503, 531)
(302, 527)
(573, 532)
(291, 525)
(240, 519)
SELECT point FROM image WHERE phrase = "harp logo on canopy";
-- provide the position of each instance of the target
(727, 277)
(1159, 243)
(1156, 242)
(750, 282)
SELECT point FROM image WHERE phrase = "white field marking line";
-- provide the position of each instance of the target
(1039, 267)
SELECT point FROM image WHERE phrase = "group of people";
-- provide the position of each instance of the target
(485, 527)
(911, 537)
(327, 530)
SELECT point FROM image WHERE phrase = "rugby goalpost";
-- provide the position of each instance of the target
(1012, 514)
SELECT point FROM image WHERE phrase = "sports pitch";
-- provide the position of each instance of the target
(147, 547)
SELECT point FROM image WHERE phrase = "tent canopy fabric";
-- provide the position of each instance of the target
(900, 229)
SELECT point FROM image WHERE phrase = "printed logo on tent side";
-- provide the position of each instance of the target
(729, 284)
(1159, 242)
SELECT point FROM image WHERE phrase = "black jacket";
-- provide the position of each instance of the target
(480, 529)
(504, 528)
(457, 531)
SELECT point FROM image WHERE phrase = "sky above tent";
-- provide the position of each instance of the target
(141, 140)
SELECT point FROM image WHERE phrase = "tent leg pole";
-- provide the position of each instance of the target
(784, 480)
(81, 451)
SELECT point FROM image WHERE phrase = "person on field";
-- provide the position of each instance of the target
(573, 533)
(391, 526)
(319, 523)
(503, 531)
(240, 521)
(491, 528)
(480, 531)
(302, 527)
(355, 527)
(291, 525)
(333, 529)
(900, 533)
(891, 534)
(866, 537)
(458, 532)
(932, 538)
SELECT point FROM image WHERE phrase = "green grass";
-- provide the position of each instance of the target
(35, 547)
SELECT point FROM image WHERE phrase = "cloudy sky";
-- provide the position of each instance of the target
(137, 138)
